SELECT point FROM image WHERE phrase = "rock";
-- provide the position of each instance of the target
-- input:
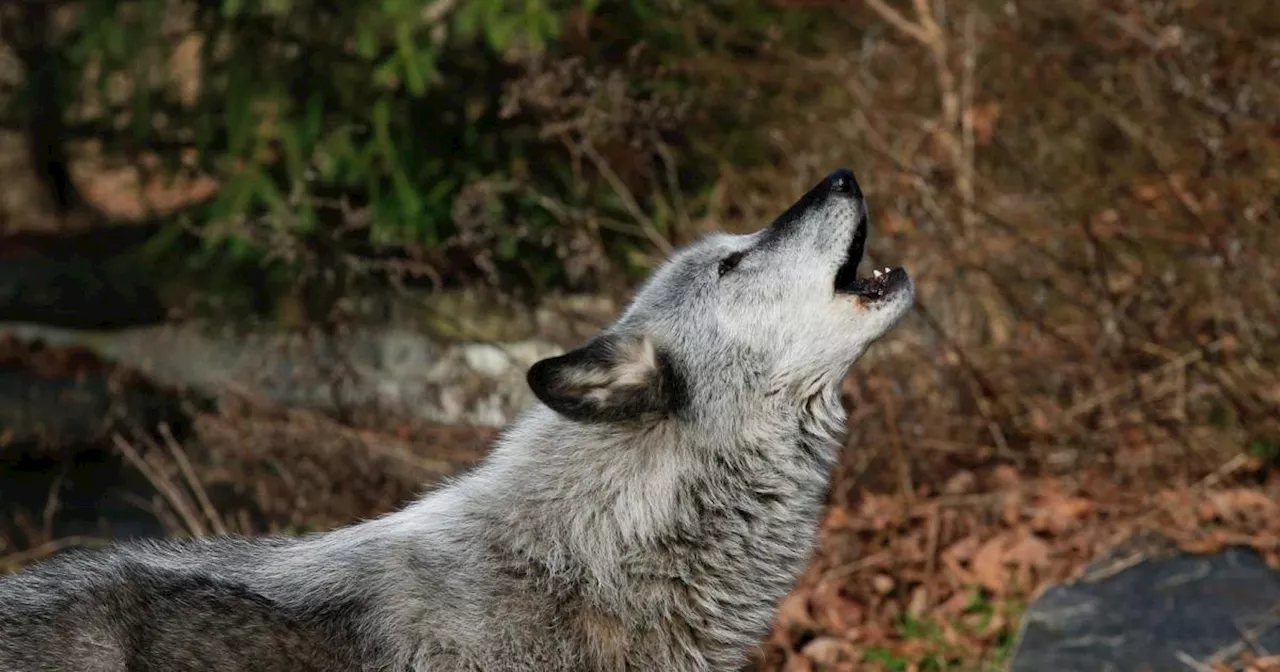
(394, 369)
(483, 316)
(1160, 613)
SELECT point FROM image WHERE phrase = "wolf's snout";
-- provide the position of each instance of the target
(843, 182)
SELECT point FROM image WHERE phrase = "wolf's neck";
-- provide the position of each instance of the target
(668, 520)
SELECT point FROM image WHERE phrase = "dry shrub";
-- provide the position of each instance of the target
(1085, 194)
(299, 470)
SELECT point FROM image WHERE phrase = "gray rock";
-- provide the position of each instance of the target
(395, 369)
(1162, 611)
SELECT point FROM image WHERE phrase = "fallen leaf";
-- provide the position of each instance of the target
(1147, 192)
(957, 604)
(1241, 503)
(1057, 513)
(1011, 507)
(919, 602)
(835, 612)
(879, 512)
(962, 550)
(988, 565)
(1007, 559)
(982, 119)
(793, 611)
(836, 517)
(832, 653)
(962, 483)
(1006, 476)
(798, 663)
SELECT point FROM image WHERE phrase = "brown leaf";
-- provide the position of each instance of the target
(837, 518)
(988, 565)
(1007, 559)
(962, 550)
(1027, 553)
(1058, 513)
(793, 611)
(919, 602)
(879, 512)
(1006, 476)
(1147, 193)
(982, 119)
(1241, 503)
(962, 483)
(1011, 507)
(835, 612)
(957, 603)
(832, 653)
(798, 663)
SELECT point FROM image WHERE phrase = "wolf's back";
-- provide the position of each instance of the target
(121, 613)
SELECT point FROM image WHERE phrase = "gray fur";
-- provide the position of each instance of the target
(649, 515)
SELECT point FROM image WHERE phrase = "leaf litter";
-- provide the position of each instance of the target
(939, 581)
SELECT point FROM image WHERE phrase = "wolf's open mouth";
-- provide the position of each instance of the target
(881, 282)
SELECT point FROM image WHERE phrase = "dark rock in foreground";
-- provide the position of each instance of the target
(1154, 613)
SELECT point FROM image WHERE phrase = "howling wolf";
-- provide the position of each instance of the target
(647, 514)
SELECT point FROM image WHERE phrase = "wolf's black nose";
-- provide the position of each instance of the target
(843, 182)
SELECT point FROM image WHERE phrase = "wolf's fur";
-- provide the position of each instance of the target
(647, 515)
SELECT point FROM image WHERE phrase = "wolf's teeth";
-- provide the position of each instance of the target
(876, 273)
(886, 269)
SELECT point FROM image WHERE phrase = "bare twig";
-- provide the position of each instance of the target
(628, 199)
(899, 448)
(180, 456)
(51, 505)
(1190, 661)
(897, 20)
(1145, 378)
(162, 484)
(842, 572)
(965, 170)
(1248, 638)
(673, 188)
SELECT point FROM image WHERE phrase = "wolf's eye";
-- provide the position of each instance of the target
(731, 262)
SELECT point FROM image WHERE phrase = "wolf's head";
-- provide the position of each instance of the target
(780, 313)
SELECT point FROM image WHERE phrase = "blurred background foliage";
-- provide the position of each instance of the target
(526, 143)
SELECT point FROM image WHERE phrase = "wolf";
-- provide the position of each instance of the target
(647, 512)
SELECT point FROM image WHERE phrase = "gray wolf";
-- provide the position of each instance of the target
(648, 513)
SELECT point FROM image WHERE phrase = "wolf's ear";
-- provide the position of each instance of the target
(613, 378)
